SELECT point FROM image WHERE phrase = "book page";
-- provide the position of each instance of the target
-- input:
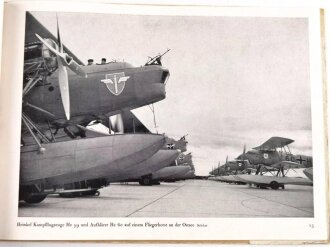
(245, 83)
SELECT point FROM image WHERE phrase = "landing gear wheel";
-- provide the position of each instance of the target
(274, 185)
(35, 198)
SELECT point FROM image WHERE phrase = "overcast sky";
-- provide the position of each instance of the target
(234, 80)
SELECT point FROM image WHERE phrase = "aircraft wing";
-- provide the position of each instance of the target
(286, 165)
(33, 26)
(274, 142)
(132, 124)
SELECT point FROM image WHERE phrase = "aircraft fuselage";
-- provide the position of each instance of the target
(180, 144)
(67, 163)
(108, 89)
(266, 157)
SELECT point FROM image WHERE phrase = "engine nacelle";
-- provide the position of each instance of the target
(36, 53)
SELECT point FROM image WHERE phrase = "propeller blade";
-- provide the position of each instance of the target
(226, 159)
(244, 149)
(75, 67)
(58, 36)
(65, 58)
(64, 87)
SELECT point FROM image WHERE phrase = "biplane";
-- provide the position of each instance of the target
(232, 167)
(62, 95)
(272, 155)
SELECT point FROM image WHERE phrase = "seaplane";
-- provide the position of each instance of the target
(184, 161)
(172, 171)
(225, 172)
(232, 167)
(273, 156)
(61, 96)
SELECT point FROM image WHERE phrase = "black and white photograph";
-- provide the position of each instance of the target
(165, 115)
(222, 122)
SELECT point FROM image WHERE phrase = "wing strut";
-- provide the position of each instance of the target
(30, 84)
(30, 126)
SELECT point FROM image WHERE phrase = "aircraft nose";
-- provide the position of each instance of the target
(150, 84)
(182, 146)
(166, 157)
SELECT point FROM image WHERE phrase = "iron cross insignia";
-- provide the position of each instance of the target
(170, 145)
(115, 82)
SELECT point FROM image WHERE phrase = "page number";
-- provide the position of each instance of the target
(311, 226)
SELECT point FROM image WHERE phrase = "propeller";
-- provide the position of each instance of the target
(63, 61)
(66, 60)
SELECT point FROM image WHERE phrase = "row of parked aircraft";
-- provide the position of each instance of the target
(62, 98)
(272, 157)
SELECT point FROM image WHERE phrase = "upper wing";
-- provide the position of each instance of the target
(274, 142)
(33, 26)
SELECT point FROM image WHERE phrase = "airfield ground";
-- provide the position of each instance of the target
(191, 198)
